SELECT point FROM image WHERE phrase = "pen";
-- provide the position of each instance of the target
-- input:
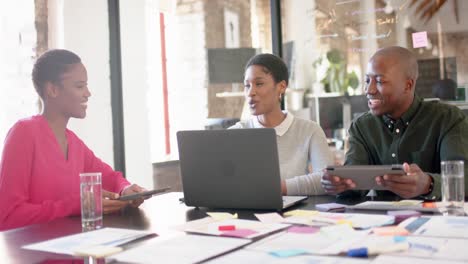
(369, 251)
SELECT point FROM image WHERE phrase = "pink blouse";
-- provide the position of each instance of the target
(37, 183)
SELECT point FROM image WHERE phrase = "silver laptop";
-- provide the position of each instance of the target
(236, 168)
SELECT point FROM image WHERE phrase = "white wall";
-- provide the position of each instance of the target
(135, 56)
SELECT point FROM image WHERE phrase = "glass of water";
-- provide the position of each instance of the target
(91, 200)
(453, 187)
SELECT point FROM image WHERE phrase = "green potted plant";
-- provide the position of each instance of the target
(337, 79)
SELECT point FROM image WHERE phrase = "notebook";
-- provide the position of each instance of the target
(236, 168)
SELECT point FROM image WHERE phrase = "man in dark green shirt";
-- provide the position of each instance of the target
(402, 128)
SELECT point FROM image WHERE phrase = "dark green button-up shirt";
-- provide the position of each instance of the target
(426, 134)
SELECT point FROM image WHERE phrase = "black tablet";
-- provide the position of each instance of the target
(146, 194)
(364, 175)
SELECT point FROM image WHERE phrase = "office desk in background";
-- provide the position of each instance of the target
(157, 214)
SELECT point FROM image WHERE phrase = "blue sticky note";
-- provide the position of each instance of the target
(399, 239)
(287, 253)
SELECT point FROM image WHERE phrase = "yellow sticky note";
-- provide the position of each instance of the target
(407, 202)
(97, 251)
(344, 222)
(222, 216)
(302, 213)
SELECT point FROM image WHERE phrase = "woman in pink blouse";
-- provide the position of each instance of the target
(42, 159)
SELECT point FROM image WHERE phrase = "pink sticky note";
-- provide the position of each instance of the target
(420, 39)
(303, 229)
(239, 233)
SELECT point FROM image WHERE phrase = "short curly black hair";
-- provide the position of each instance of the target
(50, 67)
(271, 64)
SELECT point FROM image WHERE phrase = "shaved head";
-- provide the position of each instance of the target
(391, 81)
(402, 56)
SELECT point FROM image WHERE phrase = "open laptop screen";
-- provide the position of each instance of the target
(235, 168)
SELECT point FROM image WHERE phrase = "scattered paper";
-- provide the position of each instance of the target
(250, 256)
(288, 253)
(222, 216)
(327, 207)
(269, 218)
(255, 228)
(360, 221)
(303, 229)
(314, 243)
(338, 231)
(301, 213)
(438, 226)
(180, 249)
(244, 233)
(437, 248)
(390, 231)
(416, 205)
(110, 237)
(388, 259)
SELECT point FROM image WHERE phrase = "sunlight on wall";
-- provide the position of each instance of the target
(17, 50)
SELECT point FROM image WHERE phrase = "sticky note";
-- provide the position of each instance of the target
(239, 233)
(398, 239)
(222, 216)
(390, 231)
(303, 229)
(226, 227)
(287, 253)
(344, 222)
(429, 205)
(97, 251)
(270, 218)
(303, 213)
(420, 39)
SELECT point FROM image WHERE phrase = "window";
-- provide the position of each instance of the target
(184, 39)
(17, 51)
(331, 42)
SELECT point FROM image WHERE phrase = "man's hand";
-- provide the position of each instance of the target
(334, 184)
(414, 183)
(134, 188)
